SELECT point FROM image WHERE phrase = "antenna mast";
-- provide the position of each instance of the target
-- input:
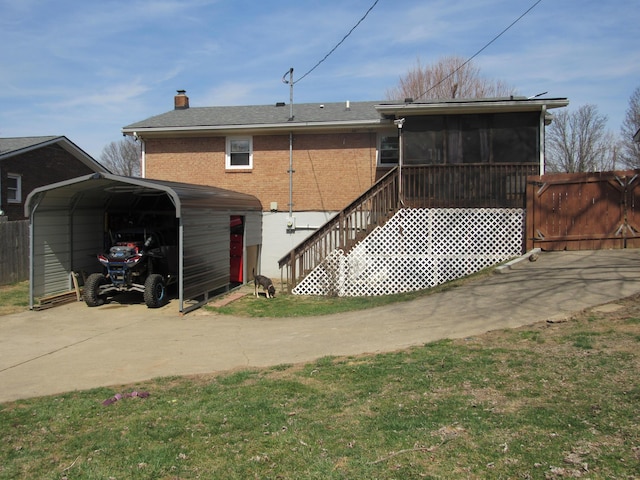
(290, 221)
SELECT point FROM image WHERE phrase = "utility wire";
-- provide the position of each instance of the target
(340, 42)
(481, 50)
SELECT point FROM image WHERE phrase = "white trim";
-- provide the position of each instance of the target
(143, 158)
(18, 178)
(456, 107)
(263, 127)
(227, 156)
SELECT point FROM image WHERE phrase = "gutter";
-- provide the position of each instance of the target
(286, 127)
(487, 106)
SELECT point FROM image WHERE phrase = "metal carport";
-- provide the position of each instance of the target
(69, 221)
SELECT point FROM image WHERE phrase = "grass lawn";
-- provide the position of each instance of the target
(14, 298)
(547, 401)
(286, 305)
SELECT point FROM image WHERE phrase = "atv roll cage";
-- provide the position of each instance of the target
(138, 260)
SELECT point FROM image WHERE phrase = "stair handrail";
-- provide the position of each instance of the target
(346, 228)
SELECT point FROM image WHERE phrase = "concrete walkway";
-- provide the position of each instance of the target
(73, 347)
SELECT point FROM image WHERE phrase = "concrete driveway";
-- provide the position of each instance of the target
(73, 347)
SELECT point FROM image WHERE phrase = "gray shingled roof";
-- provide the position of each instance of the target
(12, 146)
(262, 115)
(15, 144)
(322, 115)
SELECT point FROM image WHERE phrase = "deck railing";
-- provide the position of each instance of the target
(423, 186)
(354, 222)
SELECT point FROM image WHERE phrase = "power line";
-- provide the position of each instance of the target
(340, 42)
(481, 50)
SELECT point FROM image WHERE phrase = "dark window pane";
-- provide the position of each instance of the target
(239, 159)
(389, 149)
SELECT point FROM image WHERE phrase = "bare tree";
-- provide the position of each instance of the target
(579, 142)
(122, 157)
(629, 152)
(450, 77)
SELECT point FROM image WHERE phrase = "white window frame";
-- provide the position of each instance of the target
(381, 135)
(229, 153)
(18, 189)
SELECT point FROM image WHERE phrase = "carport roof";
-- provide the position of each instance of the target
(98, 187)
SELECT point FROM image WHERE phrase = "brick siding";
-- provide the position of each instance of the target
(330, 169)
(38, 167)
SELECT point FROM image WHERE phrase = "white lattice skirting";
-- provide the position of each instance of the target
(417, 249)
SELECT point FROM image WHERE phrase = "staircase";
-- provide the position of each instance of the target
(370, 210)
(461, 186)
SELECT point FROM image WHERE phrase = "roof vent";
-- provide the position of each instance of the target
(408, 100)
(181, 101)
(280, 104)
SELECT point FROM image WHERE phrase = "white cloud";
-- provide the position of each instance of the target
(85, 69)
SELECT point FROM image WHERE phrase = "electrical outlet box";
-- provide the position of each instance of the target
(291, 224)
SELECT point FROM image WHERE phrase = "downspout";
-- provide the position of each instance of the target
(143, 159)
(290, 222)
(399, 123)
(290, 176)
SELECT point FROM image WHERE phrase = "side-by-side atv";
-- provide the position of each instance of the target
(138, 261)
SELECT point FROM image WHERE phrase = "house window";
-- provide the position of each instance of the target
(389, 149)
(239, 153)
(14, 188)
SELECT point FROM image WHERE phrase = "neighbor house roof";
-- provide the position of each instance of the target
(10, 147)
(316, 116)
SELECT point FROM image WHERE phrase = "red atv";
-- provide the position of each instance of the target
(137, 261)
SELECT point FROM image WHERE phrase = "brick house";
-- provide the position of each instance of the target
(30, 162)
(307, 162)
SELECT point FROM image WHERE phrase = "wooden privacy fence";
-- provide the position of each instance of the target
(14, 251)
(583, 211)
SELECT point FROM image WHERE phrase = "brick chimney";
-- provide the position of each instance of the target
(181, 101)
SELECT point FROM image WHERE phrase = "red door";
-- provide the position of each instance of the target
(237, 244)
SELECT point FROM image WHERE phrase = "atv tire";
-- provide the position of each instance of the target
(155, 291)
(91, 291)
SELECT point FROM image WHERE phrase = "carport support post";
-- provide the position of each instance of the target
(180, 264)
(31, 249)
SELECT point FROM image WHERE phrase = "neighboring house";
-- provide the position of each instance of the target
(30, 162)
(307, 162)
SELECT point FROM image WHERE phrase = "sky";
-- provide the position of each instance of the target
(85, 69)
